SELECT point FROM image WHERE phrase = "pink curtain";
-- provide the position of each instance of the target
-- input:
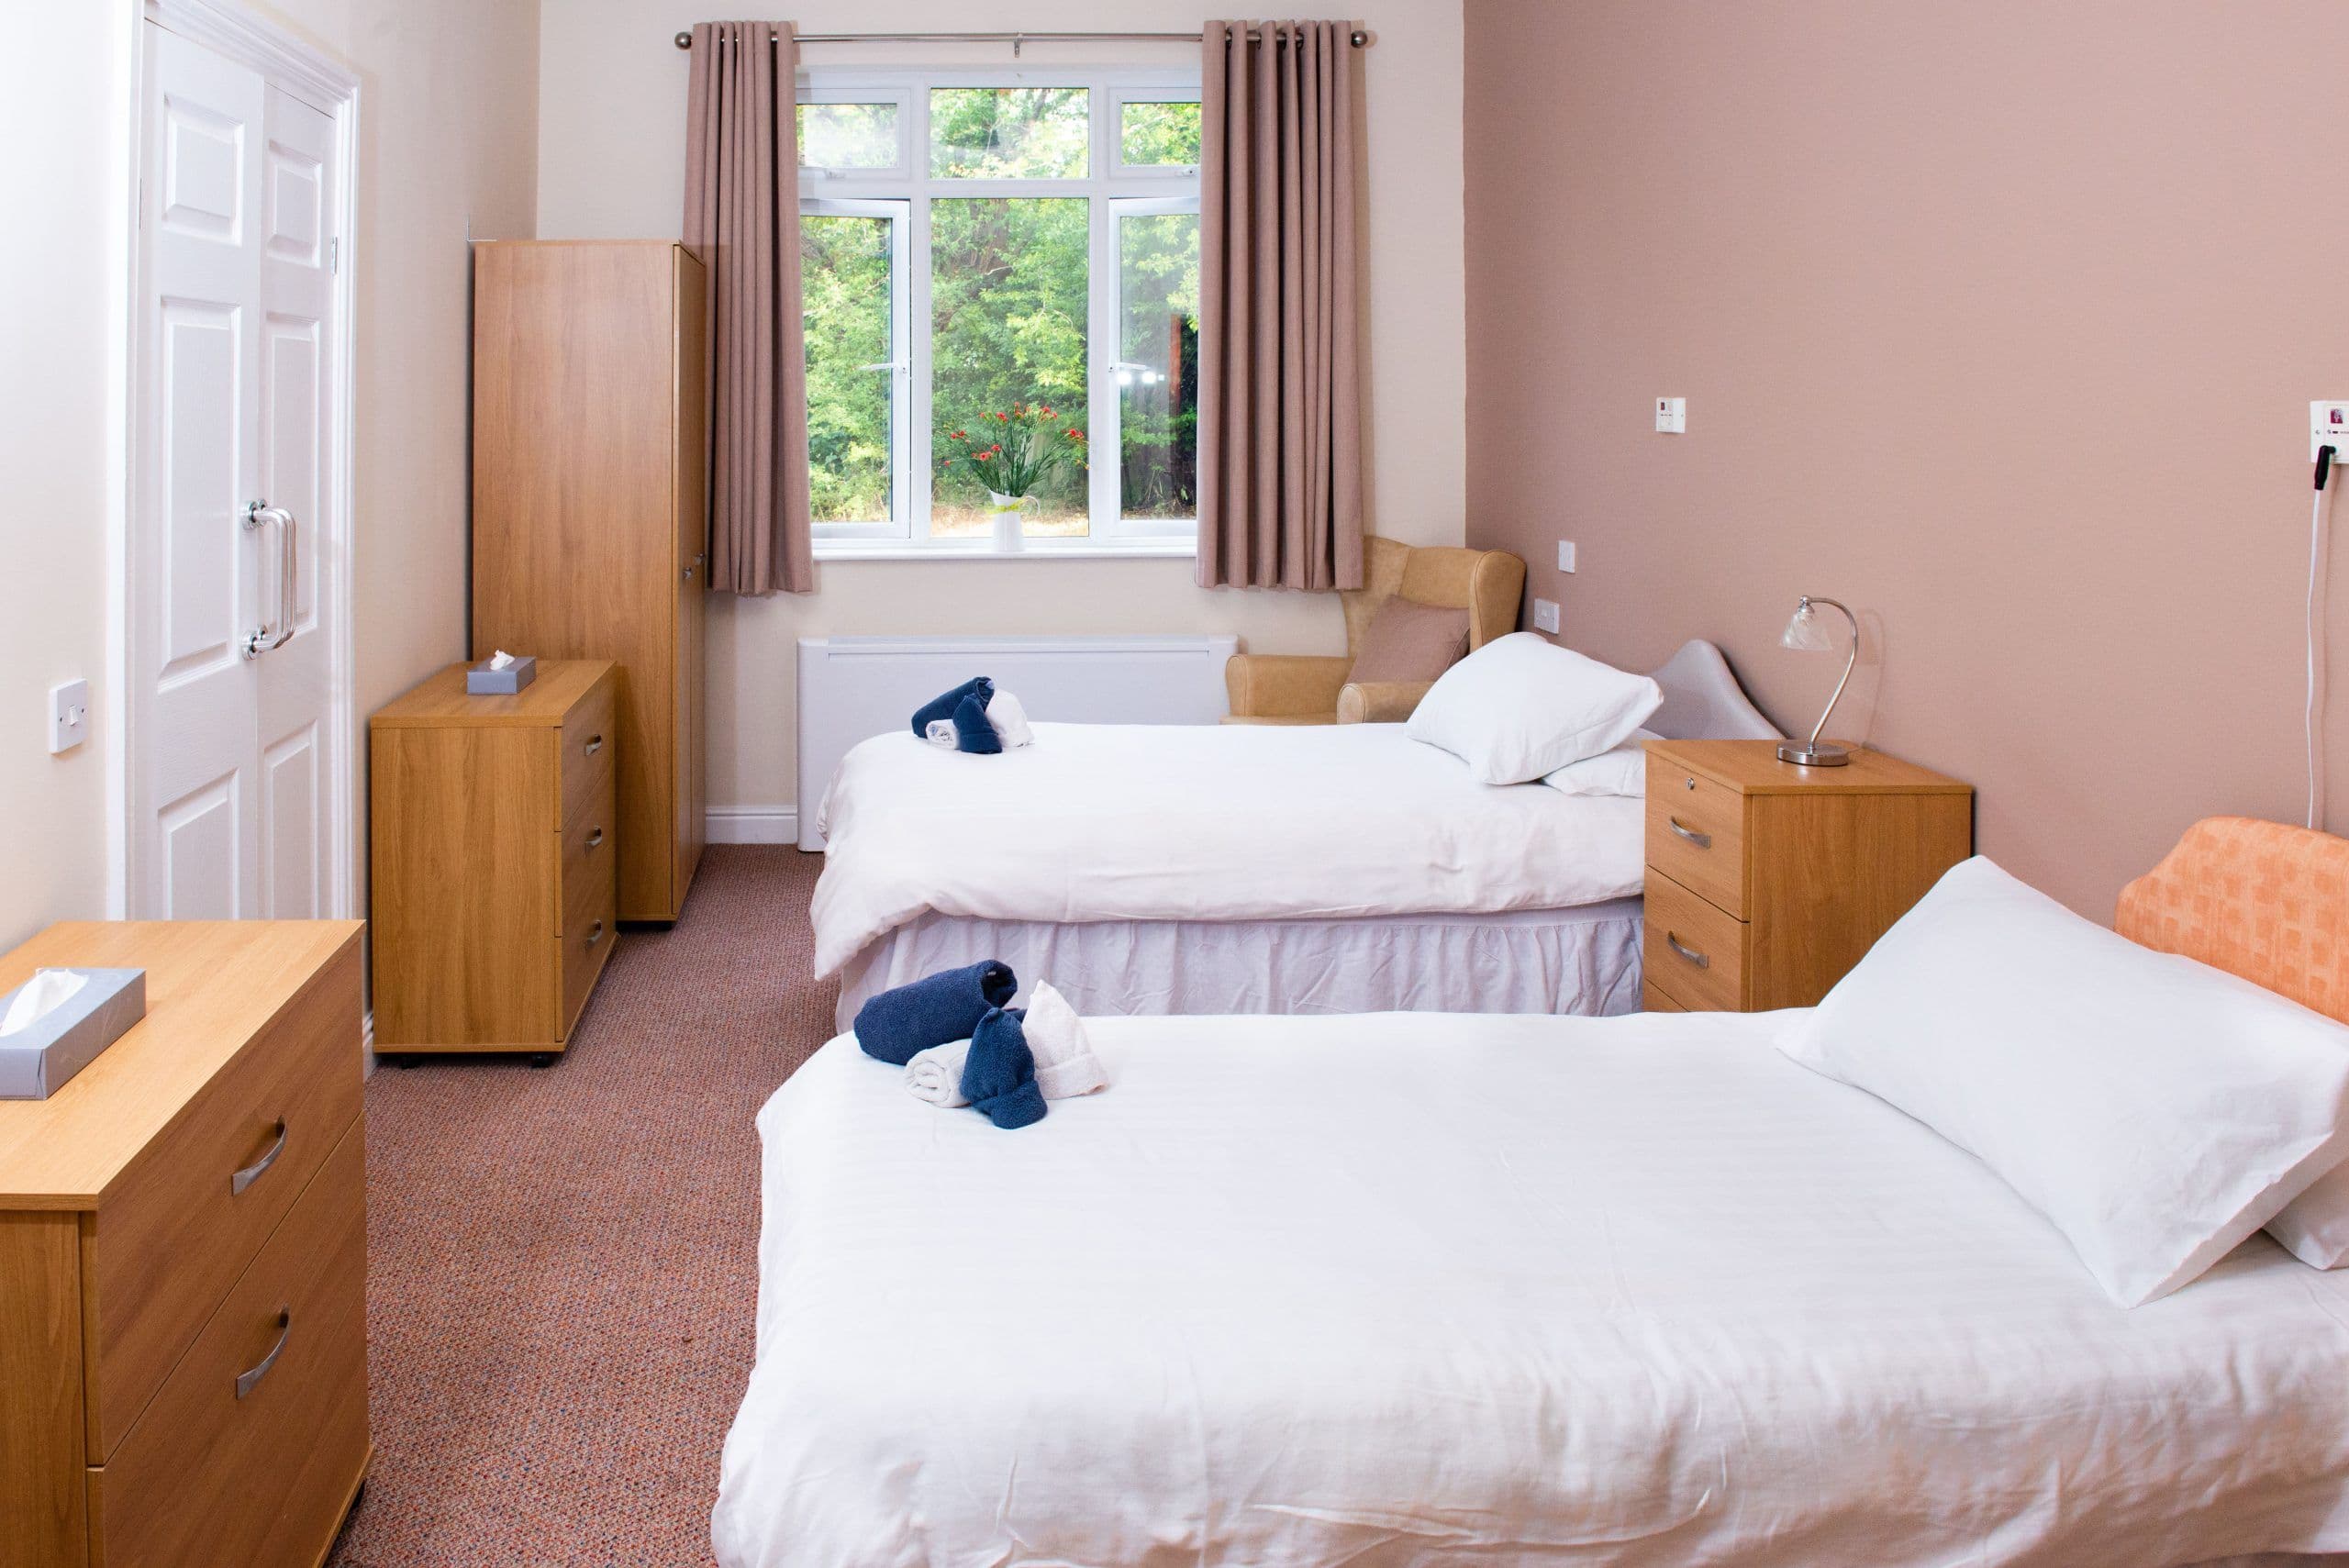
(1280, 408)
(743, 222)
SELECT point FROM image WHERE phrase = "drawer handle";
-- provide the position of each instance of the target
(259, 1168)
(1691, 954)
(595, 933)
(594, 744)
(1702, 840)
(249, 1380)
(595, 837)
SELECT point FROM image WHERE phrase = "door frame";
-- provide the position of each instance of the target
(331, 86)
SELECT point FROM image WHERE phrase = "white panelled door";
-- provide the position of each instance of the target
(233, 748)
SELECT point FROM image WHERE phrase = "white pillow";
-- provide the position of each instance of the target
(1521, 707)
(2156, 1111)
(2314, 1227)
(1623, 771)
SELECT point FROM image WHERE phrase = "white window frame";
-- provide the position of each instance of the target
(906, 191)
(899, 368)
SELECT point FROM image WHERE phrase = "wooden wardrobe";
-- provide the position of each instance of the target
(591, 456)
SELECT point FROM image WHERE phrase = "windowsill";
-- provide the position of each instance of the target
(891, 549)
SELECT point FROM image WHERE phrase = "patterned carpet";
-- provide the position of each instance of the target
(562, 1264)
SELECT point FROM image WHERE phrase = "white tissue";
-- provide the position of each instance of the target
(501, 659)
(48, 990)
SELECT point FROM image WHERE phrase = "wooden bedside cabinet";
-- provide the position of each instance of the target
(495, 892)
(1766, 882)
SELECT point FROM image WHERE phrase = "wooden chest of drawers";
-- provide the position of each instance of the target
(494, 891)
(1766, 882)
(183, 1260)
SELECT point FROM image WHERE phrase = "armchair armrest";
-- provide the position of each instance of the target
(1285, 685)
(1379, 702)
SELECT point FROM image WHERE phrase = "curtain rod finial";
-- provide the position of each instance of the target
(685, 40)
(1359, 38)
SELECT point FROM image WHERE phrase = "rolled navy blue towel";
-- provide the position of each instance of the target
(943, 705)
(973, 730)
(1000, 1073)
(937, 1010)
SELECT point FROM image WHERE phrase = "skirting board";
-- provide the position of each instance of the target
(753, 824)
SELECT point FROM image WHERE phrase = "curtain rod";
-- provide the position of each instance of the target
(1359, 38)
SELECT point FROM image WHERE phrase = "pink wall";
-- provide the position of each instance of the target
(1999, 321)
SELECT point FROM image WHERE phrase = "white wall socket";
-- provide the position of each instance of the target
(2329, 426)
(1672, 415)
(1565, 555)
(1545, 614)
(69, 716)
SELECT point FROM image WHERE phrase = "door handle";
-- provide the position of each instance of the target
(270, 635)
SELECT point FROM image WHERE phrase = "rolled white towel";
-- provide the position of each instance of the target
(1065, 1064)
(936, 1074)
(1010, 721)
(940, 732)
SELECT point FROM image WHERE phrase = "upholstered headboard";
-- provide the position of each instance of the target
(1702, 700)
(2261, 900)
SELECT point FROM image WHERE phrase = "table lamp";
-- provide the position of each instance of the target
(1810, 634)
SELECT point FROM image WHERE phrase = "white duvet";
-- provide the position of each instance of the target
(1217, 822)
(1433, 1290)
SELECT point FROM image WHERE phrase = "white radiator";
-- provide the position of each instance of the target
(851, 688)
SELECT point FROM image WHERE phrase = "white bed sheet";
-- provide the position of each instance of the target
(1585, 959)
(1490, 1291)
(1211, 822)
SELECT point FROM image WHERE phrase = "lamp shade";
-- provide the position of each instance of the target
(1806, 631)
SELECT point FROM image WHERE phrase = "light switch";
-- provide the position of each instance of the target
(1672, 415)
(69, 716)
(1545, 614)
(1565, 555)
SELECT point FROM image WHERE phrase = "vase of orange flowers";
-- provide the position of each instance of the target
(1015, 452)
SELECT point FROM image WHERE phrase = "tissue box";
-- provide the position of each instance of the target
(480, 681)
(35, 1061)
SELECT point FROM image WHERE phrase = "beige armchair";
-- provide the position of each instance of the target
(1295, 688)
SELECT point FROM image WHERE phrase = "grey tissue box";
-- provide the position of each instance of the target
(36, 1061)
(480, 681)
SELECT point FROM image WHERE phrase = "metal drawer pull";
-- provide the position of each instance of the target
(595, 933)
(259, 1168)
(1691, 954)
(249, 1381)
(594, 744)
(595, 837)
(1702, 840)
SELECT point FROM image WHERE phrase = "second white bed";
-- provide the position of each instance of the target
(1298, 1292)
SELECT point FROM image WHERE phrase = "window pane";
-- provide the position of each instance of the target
(848, 135)
(1156, 135)
(844, 281)
(1158, 369)
(1009, 133)
(1008, 279)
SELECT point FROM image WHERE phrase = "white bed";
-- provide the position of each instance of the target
(1402, 1289)
(1156, 868)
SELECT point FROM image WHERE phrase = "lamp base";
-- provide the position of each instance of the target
(1825, 754)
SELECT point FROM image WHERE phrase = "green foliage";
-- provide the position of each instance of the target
(848, 135)
(844, 285)
(1008, 323)
(1009, 133)
(1159, 134)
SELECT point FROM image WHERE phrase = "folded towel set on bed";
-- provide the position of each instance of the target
(942, 1008)
(1000, 1073)
(974, 717)
(1066, 1063)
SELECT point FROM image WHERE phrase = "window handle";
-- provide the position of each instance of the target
(898, 366)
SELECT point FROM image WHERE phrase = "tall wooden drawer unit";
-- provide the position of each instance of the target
(496, 843)
(183, 1260)
(1766, 882)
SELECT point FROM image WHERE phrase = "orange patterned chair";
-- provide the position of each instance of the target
(2258, 899)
